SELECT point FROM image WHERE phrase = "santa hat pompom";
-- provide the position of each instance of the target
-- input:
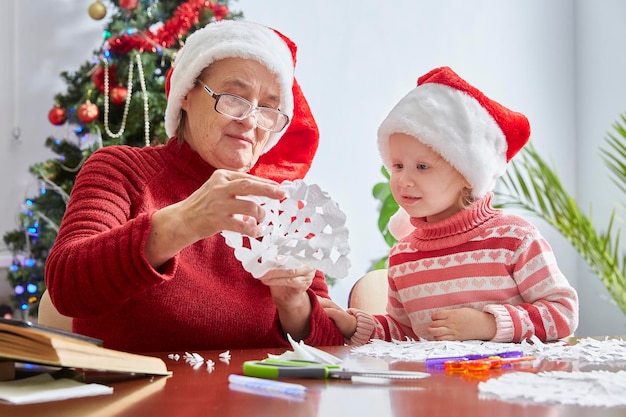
(475, 134)
(400, 224)
(241, 39)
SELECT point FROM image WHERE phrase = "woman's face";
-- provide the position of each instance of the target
(222, 142)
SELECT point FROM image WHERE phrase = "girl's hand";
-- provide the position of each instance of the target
(462, 324)
(344, 321)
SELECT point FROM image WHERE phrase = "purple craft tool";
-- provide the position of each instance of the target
(439, 362)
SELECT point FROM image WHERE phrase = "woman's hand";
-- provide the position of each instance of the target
(289, 291)
(213, 207)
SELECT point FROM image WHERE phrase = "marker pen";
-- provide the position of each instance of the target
(269, 385)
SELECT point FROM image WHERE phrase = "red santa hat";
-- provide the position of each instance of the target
(288, 154)
(475, 134)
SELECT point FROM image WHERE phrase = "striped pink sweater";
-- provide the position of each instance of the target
(480, 258)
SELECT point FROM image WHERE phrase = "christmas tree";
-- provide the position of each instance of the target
(116, 97)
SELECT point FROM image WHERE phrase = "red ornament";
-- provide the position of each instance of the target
(129, 4)
(57, 116)
(186, 15)
(220, 11)
(98, 77)
(88, 112)
(118, 94)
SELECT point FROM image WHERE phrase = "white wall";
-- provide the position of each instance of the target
(356, 60)
(30, 70)
(600, 101)
(39, 41)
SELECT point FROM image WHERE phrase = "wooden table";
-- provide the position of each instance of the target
(196, 392)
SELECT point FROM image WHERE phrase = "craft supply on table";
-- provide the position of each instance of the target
(438, 362)
(485, 364)
(269, 385)
(274, 369)
(45, 388)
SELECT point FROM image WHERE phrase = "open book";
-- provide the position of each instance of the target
(25, 342)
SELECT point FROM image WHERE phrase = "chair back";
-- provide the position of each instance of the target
(369, 293)
(48, 315)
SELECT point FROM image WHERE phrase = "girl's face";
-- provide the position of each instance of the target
(221, 141)
(422, 182)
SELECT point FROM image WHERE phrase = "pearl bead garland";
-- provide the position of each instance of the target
(142, 82)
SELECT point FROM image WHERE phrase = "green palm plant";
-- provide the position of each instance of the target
(532, 185)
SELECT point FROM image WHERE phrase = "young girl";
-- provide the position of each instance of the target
(466, 271)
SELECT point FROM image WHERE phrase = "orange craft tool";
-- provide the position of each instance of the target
(478, 365)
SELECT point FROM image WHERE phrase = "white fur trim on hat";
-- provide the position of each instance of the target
(456, 126)
(230, 39)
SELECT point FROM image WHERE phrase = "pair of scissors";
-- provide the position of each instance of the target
(274, 369)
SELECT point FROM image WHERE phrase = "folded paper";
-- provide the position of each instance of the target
(306, 227)
(43, 388)
(303, 352)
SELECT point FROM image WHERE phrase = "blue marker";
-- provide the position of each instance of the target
(268, 385)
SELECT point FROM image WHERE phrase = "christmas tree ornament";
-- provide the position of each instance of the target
(186, 15)
(97, 76)
(151, 29)
(220, 11)
(57, 115)
(129, 91)
(129, 4)
(88, 112)
(119, 94)
(97, 10)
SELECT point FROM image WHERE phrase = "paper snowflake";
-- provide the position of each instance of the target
(306, 227)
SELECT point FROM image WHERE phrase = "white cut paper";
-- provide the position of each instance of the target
(586, 351)
(306, 227)
(303, 352)
(586, 388)
(44, 388)
(591, 389)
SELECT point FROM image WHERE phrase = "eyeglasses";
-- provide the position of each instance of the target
(238, 108)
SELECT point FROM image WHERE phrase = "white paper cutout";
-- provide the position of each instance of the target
(592, 389)
(587, 388)
(194, 359)
(307, 227)
(586, 351)
(303, 352)
(225, 357)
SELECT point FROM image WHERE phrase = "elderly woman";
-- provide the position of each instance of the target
(139, 261)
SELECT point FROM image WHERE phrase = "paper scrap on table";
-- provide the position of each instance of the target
(592, 389)
(306, 227)
(588, 388)
(44, 388)
(303, 352)
(586, 351)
